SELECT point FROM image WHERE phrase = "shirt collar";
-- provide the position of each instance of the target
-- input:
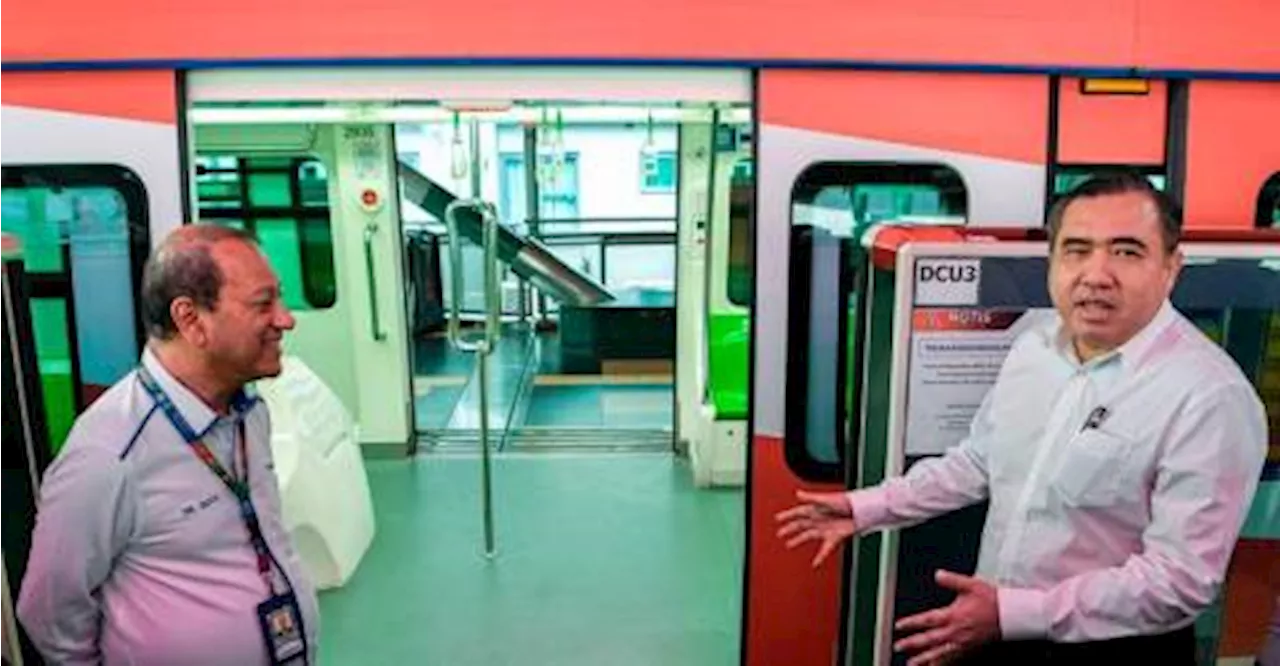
(1129, 354)
(198, 415)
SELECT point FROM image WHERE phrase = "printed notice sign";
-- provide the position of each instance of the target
(956, 354)
(941, 281)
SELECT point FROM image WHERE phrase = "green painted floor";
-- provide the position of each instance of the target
(602, 559)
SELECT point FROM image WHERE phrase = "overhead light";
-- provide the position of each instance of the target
(1115, 86)
(477, 106)
(265, 115)
(437, 113)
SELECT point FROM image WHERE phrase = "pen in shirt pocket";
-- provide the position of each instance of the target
(1095, 418)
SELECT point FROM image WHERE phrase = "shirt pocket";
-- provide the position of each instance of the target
(1094, 469)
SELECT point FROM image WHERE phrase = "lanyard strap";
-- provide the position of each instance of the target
(239, 487)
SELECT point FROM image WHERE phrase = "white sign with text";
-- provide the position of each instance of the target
(942, 281)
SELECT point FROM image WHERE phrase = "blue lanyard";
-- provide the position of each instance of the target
(239, 487)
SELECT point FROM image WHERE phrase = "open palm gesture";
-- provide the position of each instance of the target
(826, 517)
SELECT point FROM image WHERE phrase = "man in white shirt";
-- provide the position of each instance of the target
(1119, 449)
(159, 539)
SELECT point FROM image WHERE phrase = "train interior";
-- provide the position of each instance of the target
(614, 513)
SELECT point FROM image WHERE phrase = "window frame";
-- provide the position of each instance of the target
(58, 285)
(853, 279)
(300, 212)
(1147, 170)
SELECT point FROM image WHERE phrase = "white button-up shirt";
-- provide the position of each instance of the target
(140, 555)
(1118, 529)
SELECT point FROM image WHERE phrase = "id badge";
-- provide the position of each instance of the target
(282, 629)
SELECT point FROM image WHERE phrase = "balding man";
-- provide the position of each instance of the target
(159, 538)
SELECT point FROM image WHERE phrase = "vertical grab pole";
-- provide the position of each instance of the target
(492, 320)
(483, 346)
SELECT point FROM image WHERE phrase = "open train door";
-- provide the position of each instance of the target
(26, 445)
(90, 160)
(839, 151)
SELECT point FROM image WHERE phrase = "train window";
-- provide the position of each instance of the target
(284, 202)
(1066, 177)
(557, 190)
(1236, 303)
(1268, 216)
(847, 199)
(84, 237)
(741, 201)
(832, 204)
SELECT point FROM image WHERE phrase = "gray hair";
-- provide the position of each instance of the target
(183, 266)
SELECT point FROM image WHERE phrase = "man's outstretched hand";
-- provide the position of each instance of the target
(944, 634)
(825, 517)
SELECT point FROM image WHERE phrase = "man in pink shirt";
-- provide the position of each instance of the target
(1119, 449)
(159, 538)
